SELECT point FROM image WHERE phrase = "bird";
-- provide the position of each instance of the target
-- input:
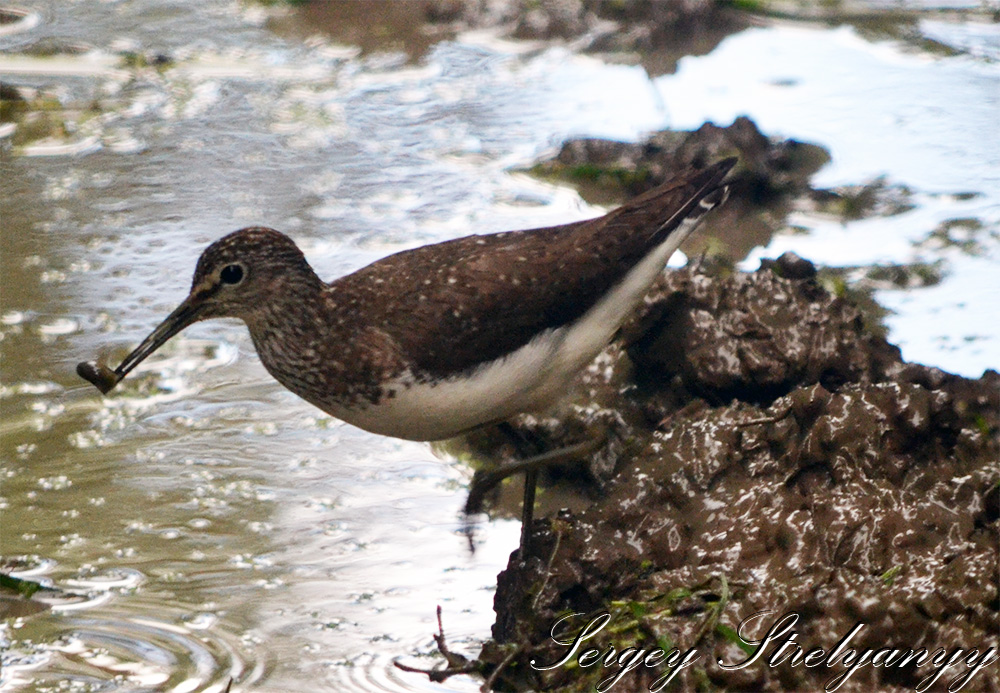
(430, 343)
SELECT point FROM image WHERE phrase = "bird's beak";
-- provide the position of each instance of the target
(188, 312)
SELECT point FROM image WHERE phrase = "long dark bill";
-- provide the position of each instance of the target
(104, 379)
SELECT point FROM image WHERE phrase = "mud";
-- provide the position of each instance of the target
(767, 452)
(655, 34)
(768, 168)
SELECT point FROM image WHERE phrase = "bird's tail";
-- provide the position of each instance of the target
(671, 210)
(704, 191)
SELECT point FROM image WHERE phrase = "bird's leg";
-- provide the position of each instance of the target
(529, 462)
(527, 447)
(485, 480)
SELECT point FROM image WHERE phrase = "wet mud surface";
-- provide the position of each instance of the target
(765, 450)
(655, 34)
(768, 454)
(768, 169)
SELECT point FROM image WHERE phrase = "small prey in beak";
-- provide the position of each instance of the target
(190, 311)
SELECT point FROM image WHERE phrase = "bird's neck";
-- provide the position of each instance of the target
(293, 329)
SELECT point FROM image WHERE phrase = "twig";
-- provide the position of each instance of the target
(495, 674)
(457, 664)
(454, 660)
(764, 419)
(436, 675)
(715, 611)
(548, 573)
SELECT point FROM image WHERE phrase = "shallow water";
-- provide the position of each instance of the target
(927, 123)
(214, 525)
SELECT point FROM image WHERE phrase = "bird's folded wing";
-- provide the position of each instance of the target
(485, 296)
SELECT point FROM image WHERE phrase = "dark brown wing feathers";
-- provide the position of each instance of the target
(524, 282)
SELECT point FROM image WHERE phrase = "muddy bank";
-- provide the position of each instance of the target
(767, 454)
(656, 34)
(769, 168)
(643, 26)
(638, 22)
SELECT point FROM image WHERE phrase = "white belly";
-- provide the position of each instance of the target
(531, 379)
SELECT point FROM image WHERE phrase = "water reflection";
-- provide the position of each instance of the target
(139, 648)
(883, 111)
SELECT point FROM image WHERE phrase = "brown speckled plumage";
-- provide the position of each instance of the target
(429, 314)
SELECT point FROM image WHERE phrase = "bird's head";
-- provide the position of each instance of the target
(239, 276)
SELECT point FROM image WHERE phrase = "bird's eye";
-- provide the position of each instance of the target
(231, 274)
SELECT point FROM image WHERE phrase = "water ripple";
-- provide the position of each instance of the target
(105, 636)
(106, 649)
